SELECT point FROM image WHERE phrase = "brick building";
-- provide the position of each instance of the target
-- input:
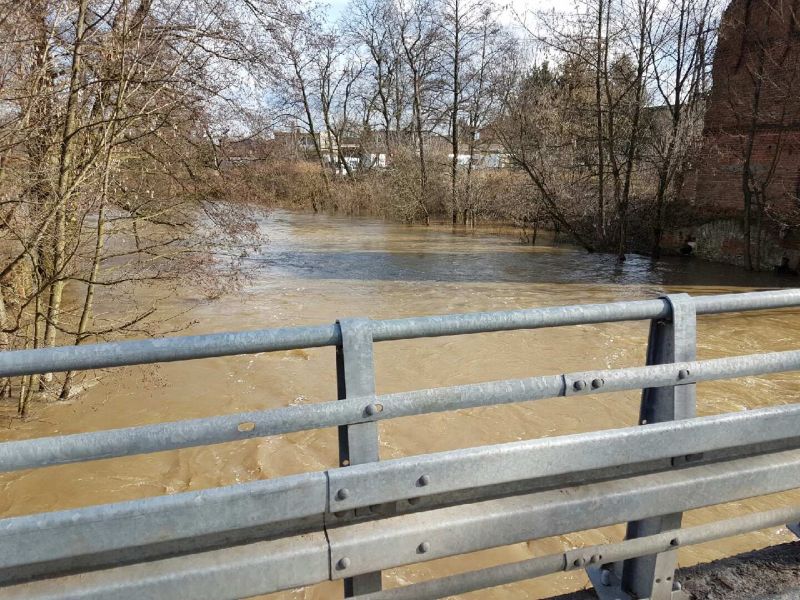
(752, 132)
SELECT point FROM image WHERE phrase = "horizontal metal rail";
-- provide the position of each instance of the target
(401, 540)
(354, 521)
(259, 508)
(569, 560)
(224, 574)
(263, 567)
(118, 354)
(455, 470)
(41, 452)
(434, 534)
(267, 507)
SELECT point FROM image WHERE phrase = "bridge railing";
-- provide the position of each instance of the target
(367, 515)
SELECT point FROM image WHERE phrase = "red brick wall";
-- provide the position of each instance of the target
(759, 41)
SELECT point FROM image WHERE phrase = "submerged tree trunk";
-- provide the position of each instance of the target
(94, 272)
(598, 99)
(633, 141)
(454, 109)
(64, 187)
(423, 174)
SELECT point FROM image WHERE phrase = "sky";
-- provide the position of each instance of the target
(514, 7)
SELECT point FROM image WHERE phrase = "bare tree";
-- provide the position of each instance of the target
(371, 24)
(642, 12)
(104, 186)
(294, 74)
(339, 72)
(538, 131)
(418, 33)
(458, 23)
(680, 45)
(490, 76)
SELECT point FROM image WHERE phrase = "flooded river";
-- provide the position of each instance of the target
(315, 269)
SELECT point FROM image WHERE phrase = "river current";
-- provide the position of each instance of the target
(315, 269)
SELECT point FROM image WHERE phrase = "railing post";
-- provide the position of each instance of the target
(358, 443)
(670, 340)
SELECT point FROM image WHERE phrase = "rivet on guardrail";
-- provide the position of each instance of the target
(423, 547)
(373, 409)
(343, 494)
(674, 542)
(423, 481)
(579, 562)
(683, 374)
(597, 383)
(343, 563)
(579, 386)
(605, 577)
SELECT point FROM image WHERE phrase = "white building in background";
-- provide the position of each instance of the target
(360, 153)
(360, 163)
(482, 160)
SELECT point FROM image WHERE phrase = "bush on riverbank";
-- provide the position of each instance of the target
(394, 193)
(486, 196)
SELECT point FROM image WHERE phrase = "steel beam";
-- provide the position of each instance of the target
(471, 581)
(794, 527)
(671, 340)
(118, 354)
(584, 314)
(224, 574)
(418, 537)
(108, 534)
(263, 567)
(274, 506)
(585, 453)
(358, 443)
(27, 454)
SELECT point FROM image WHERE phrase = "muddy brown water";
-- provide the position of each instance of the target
(315, 269)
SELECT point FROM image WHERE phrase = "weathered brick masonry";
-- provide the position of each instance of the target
(753, 112)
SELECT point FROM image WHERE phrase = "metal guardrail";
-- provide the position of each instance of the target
(367, 515)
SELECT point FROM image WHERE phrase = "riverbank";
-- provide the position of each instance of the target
(714, 241)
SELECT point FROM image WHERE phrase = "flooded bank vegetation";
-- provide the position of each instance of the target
(139, 137)
(107, 177)
(585, 120)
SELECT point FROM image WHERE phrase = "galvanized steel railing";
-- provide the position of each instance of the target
(354, 521)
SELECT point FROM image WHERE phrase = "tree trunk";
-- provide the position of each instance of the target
(423, 174)
(633, 142)
(94, 272)
(454, 109)
(65, 175)
(598, 98)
